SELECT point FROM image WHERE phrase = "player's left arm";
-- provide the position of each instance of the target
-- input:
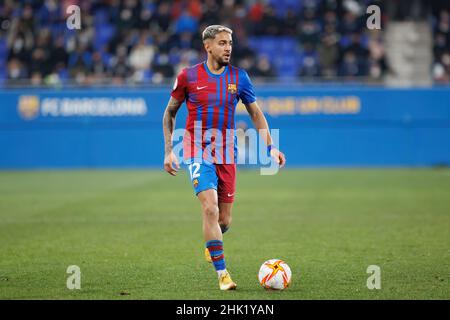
(260, 123)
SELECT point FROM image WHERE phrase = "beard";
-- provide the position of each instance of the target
(222, 62)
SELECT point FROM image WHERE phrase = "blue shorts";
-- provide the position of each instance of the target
(220, 177)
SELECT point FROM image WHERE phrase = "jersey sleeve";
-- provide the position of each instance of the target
(179, 90)
(246, 91)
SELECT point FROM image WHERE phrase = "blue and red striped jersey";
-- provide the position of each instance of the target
(211, 100)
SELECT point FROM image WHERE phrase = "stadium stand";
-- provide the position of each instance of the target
(140, 41)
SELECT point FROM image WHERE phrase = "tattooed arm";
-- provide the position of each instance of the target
(168, 126)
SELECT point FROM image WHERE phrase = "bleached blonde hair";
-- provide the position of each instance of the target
(211, 31)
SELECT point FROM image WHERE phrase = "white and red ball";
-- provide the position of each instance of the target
(275, 274)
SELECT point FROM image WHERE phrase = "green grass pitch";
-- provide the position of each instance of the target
(136, 234)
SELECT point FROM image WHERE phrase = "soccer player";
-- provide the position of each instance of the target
(212, 90)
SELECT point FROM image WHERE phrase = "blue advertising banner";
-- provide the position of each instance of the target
(318, 126)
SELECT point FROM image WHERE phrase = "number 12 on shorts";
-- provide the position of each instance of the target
(194, 174)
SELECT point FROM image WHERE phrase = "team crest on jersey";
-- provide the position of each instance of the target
(232, 88)
(195, 182)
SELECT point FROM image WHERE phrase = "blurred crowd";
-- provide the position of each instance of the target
(141, 41)
(149, 41)
(441, 48)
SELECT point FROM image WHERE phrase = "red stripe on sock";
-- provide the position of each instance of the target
(215, 248)
(217, 258)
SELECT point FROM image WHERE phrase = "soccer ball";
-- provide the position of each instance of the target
(275, 274)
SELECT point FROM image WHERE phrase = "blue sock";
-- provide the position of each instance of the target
(215, 248)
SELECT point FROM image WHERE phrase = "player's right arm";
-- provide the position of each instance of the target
(168, 126)
(177, 97)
